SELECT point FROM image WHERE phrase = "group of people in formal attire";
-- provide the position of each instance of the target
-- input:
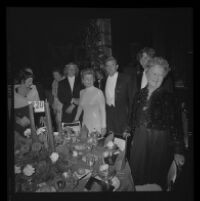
(141, 103)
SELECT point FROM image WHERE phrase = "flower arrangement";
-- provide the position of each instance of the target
(38, 169)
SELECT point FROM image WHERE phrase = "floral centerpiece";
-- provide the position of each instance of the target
(38, 169)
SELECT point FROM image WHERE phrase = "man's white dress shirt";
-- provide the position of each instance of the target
(110, 89)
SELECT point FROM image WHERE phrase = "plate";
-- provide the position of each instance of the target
(96, 184)
(86, 171)
(115, 182)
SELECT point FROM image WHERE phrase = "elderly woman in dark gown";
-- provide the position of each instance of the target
(157, 140)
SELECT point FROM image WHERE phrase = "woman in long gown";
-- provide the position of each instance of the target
(92, 103)
(155, 122)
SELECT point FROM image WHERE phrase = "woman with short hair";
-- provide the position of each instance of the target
(154, 121)
(92, 103)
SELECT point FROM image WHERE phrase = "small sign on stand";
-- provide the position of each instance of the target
(74, 126)
(38, 106)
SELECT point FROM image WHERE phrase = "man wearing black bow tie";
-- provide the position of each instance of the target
(118, 94)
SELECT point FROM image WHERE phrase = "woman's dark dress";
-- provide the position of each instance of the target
(156, 137)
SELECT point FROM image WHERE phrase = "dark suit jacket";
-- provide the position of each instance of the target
(100, 84)
(65, 96)
(120, 114)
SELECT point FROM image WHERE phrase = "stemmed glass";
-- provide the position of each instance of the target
(91, 162)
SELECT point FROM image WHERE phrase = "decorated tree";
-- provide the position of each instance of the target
(93, 45)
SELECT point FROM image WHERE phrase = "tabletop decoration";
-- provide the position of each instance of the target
(27, 132)
(32, 122)
(49, 126)
(69, 167)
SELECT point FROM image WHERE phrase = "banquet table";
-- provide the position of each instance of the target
(38, 169)
(126, 181)
(122, 173)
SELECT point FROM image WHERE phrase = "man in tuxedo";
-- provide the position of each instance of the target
(139, 76)
(69, 92)
(118, 94)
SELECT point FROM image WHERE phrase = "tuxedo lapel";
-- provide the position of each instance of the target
(75, 84)
(118, 86)
(68, 86)
(139, 78)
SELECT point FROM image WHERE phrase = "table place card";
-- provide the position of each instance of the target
(38, 106)
(75, 126)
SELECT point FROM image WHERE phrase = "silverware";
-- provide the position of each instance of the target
(81, 179)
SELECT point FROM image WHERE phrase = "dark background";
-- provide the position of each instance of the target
(31, 32)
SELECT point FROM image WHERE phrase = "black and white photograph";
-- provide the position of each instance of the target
(100, 100)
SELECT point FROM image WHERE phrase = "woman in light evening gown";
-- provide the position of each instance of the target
(92, 103)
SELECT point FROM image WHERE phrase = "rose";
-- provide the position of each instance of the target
(54, 157)
(41, 130)
(105, 154)
(27, 132)
(28, 170)
(75, 153)
(103, 167)
(17, 169)
(90, 140)
(65, 175)
(110, 145)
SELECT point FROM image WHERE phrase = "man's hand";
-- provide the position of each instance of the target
(70, 109)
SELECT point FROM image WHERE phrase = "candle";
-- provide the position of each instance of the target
(32, 121)
(59, 127)
(49, 126)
